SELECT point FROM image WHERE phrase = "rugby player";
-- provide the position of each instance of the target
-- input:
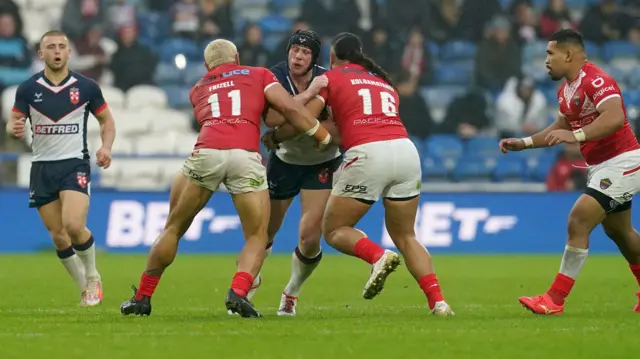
(592, 113)
(296, 167)
(57, 103)
(379, 160)
(228, 103)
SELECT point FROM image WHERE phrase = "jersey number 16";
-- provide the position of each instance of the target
(387, 103)
(236, 103)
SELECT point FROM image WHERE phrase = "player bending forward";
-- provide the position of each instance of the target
(57, 102)
(592, 113)
(228, 103)
(296, 167)
(380, 160)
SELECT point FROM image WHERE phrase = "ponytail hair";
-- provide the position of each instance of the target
(348, 47)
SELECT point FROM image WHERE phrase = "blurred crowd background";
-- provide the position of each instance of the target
(468, 72)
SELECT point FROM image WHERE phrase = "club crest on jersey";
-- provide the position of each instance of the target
(323, 176)
(605, 183)
(576, 100)
(82, 179)
(74, 95)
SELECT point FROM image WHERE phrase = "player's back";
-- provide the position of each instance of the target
(364, 106)
(228, 104)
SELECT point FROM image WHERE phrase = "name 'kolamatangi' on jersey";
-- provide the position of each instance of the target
(58, 114)
(300, 150)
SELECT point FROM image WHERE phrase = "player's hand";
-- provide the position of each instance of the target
(511, 145)
(318, 84)
(17, 128)
(103, 157)
(557, 137)
(321, 147)
(268, 141)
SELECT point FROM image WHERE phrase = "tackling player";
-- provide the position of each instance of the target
(57, 103)
(592, 113)
(228, 103)
(296, 167)
(380, 160)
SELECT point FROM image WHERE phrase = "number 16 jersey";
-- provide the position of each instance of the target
(228, 103)
(364, 107)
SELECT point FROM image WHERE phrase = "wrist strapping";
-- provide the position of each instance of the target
(528, 142)
(313, 131)
(326, 140)
(580, 136)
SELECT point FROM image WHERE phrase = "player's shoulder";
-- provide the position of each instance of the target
(280, 70)
(594, 74)
(31, 81)
(319, 70)
(83, 80)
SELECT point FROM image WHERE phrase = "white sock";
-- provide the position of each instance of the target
(74, 267)
(572, 261)
(88, 258)
(257, 279)
(299, 274)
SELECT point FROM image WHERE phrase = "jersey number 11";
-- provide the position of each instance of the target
(214, 100)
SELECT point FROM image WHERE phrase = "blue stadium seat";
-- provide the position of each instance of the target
(483, 146)
(512, 169)
(193, 74)
(551, 94)
(178, 96)
(10, 76)
(279, 4)
(419, 143)
(620, 49)
(534, 50)
(441, 96)
(433, 48)
(153, 27)
(458, 50)
(453, 74)
(541, 170)
(275, 24)
(434, 169)
(634, 78)
(471, 169)
(443, 146)
(175, 46)
(594, 51)
(631, 97)
(167, 74)
(271, 41)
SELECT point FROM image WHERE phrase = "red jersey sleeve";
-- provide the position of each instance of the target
(268, 79)
(601, 88)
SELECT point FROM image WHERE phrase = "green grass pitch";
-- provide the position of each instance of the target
(39, 316)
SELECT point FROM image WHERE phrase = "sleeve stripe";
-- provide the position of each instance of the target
(17, 111)
(606, 98)
(270, 85)
(101, 108)
(320, 98)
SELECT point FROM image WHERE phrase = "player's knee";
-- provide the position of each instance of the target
(310, 232)
(578, 225)
(58, 235)
(75, 229)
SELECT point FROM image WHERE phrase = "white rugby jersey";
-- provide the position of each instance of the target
(58, 114)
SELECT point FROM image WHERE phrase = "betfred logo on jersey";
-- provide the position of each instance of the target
(57, 129)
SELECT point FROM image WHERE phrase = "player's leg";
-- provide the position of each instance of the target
(316, 189)
(246, 181)
(617, 225)
(190, 191)
(75, 182)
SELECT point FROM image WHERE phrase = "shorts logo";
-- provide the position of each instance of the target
(74, 95)
(323, 176)
(605, 183)
(256, 182)
(195, 176)
(355, 189)
(82, 179)
(613, 204)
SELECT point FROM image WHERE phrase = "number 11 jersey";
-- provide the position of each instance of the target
(228, 103)
(364, 107)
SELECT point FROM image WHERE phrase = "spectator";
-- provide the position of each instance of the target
(216, 19)
(79, 15)
(89, 57)
(416, 59)
(369, 14)
(160, 5)
(133, 63)
(445, 21)
(476, 14)
(403, 15)
(521, 109)
(498, 56)
(252, 52)
(414, 111)
(525, 21)
(555, 17)
(634, 34)
(466, 115)
(15, 55)
(569, 171)
(10, 7)
(280, 53)
(122, 13)
(186, 21)
(602, 23)
(382, 48)
(325, 16)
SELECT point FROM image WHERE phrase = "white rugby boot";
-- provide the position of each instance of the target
(379, 272)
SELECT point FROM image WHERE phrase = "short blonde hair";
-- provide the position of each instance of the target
(220, 52)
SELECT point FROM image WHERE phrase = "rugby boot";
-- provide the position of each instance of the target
(541, 304)
(379, 272)
(240, 305)
(637, 307)
(140, 307)
(442, 309)
(287, 305)
(252, 291)
(92, 295)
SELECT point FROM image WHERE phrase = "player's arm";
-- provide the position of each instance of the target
(611, 118)
(539, 139)
(274, 119)
(287, 131)
(19, 114)
(107, 127)
(296, 114)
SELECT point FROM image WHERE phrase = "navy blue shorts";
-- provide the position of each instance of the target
(286, 180)
(51, 177)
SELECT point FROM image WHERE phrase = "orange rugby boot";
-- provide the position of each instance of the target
(541, 304)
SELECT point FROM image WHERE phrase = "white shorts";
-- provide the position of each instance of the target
(241, 171)
(618, 178)
(390, 169)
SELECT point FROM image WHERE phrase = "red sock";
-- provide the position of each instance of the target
(635, 268)
(368, 251)
(147, 286)
(560, 288)
(431, 288)
(241, 283)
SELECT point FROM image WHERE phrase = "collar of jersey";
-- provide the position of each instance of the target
(64, 81)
